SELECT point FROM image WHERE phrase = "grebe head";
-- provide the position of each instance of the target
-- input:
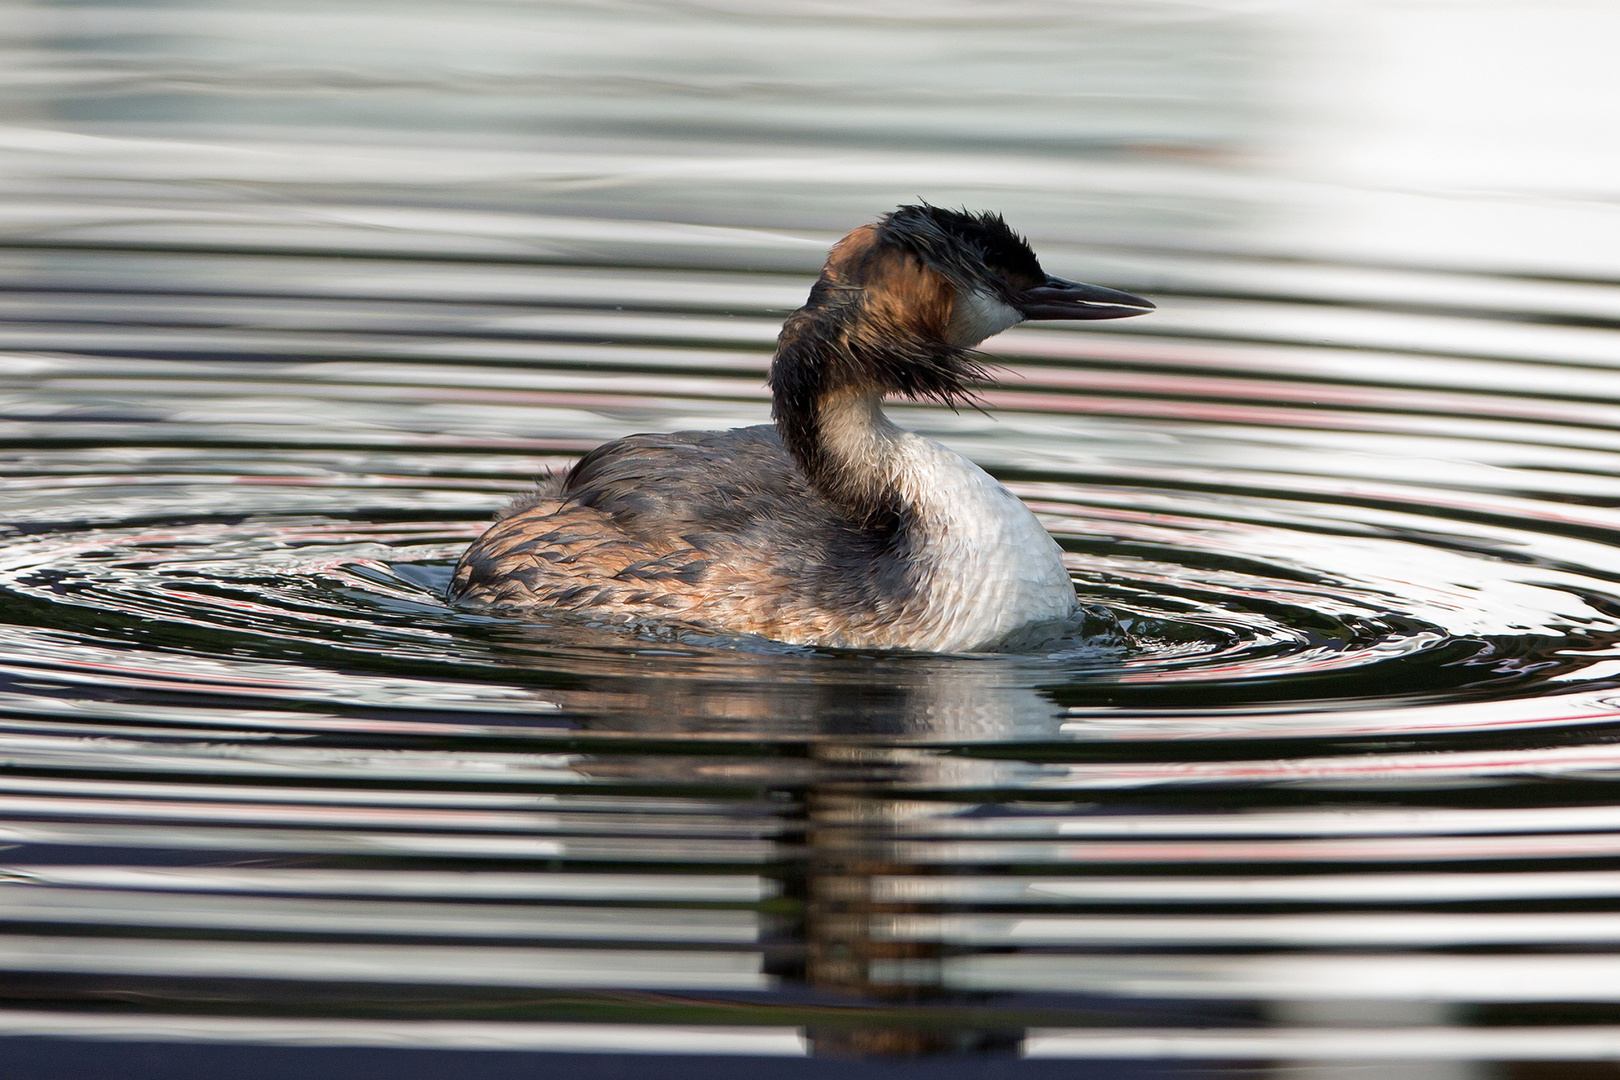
(900, 302)
(995, 280)
(897, 310)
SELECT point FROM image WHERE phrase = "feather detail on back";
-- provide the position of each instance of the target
(718, 529)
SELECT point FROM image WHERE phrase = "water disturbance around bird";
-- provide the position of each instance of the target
(1336, 767)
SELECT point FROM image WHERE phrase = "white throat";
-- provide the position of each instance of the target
(976, 316)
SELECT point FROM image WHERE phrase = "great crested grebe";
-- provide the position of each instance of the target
(833, 527)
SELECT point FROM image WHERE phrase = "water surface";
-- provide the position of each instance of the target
(291, 301)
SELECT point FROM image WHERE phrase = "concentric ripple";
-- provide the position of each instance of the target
(1342, 609)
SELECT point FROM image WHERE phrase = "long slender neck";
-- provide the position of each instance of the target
(836, 359)
(827, 389)
(849, 456)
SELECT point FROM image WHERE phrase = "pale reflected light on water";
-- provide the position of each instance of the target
(292, 299)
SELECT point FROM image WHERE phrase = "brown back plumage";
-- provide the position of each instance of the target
(715, 529)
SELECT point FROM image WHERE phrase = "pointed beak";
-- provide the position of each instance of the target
(1062, 299)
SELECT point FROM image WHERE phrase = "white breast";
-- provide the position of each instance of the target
(992, 574)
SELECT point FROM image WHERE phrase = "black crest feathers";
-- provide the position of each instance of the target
(978, 251)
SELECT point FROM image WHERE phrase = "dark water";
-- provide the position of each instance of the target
(292, 300)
